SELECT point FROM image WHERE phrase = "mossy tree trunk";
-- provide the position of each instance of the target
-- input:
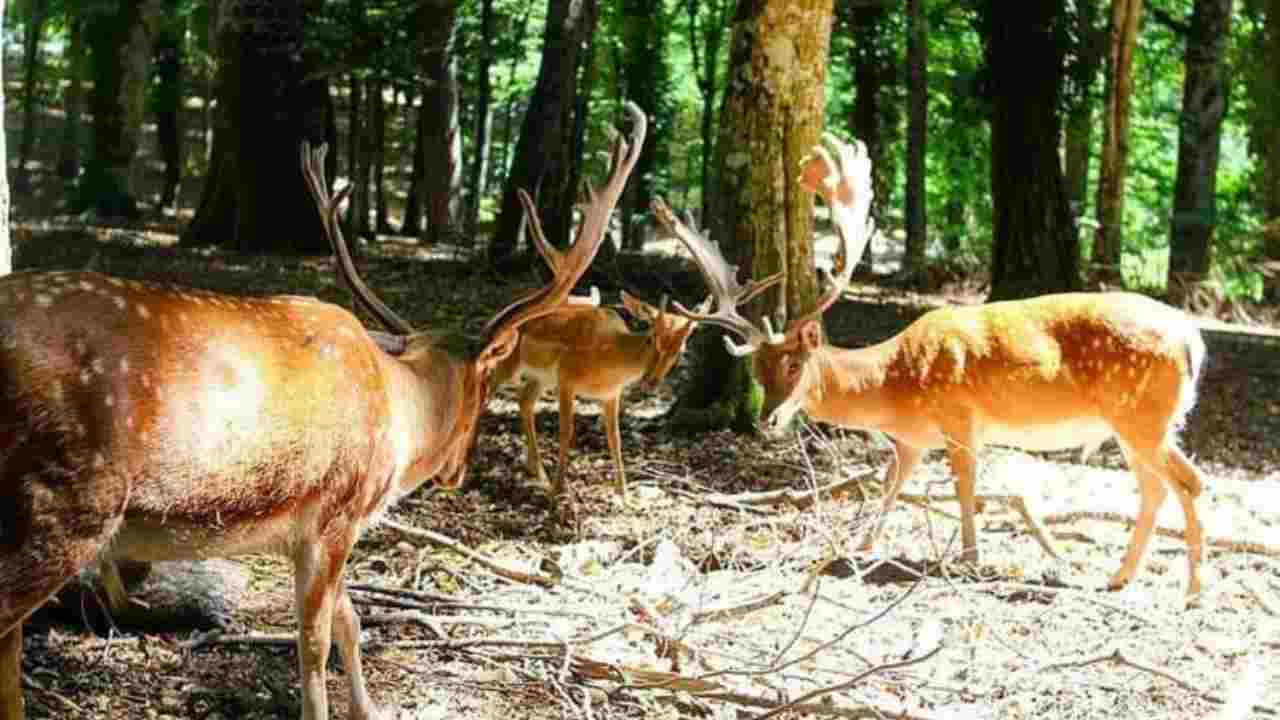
(1113, 167)
(771, 118)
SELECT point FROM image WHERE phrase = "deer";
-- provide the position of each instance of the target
(151, 422)
(589, 352)
(1052, 372)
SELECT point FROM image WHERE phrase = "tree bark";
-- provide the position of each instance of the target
(913, 257)
(706, 35)
(1266, 142)
(1091, 45)
(6, 247)
(412, 223)
(646, 83)
(477, 182)
(442, 141)
(378, 155)
(168, 101)
(357, 159)
(771, 118)
(1126, 16)
(1204, 105)
(269, 101)
(37, 13)
(73, 99)
(1035, 249)
(119, 38)
(538, 165)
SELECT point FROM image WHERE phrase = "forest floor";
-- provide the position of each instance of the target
(701, 595)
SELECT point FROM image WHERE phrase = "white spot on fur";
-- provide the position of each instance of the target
(142, 311)
(119, 302)
(99, 461)
(98, 366)
(124, 365)
(109, 400)
(43, 300)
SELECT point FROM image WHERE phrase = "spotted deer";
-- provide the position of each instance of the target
(1052, 372)
(589, 352)
(148, 422)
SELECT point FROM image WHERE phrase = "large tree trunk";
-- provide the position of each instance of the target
(1036, 249)
(771, 118)
(539, 155)
(69, 148)
(873, 120)
(706, 35)
(378, 154)
(1126, 15)
(917, 130)
(1204, 105)
(119, 39)
(6, 248)
(412, 223)
(37, 13)
(1078, 135)
(1266, 142)
(442, 142)
(168, 102)
(646, 83)
(357, 159)
(477, 182)
(269, 102)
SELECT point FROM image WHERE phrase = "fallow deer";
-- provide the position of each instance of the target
(149, 422)
(588, 352)
(1053, 372)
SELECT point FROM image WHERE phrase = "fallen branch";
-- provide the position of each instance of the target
(1117, 657)
(798, 499)
(1017, 502)
(493, 566)
(1246, 547)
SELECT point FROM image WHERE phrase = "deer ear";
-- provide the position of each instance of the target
(810, 334)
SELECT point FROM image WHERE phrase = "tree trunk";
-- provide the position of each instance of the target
(442, 142)
(378, 155)
(1126, 15)
(646, 82)
(913, 257)
(37, 13)
(705, 39)
(69, 148)
(168, 102)
(411, 225)
(119, 39)
(1267, 145)
(771, 118)
(477, 182)
(1078, 136)
(357, 160)
(6, 247)
(537, 166)
(873, 120)
(1036, 249)
(269, 102)
(1204, 105)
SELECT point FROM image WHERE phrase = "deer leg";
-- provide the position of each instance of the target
(1187, 482)
(905, 460)
(317, 571)
(612, 409)
(962, 451)
(346, 634)
(12, 706)
(566, 436)
(529, 395)
(1152, 492)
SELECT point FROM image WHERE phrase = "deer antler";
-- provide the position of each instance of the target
(573, 263)
(313, 172)
(844, 182)
(721, 279)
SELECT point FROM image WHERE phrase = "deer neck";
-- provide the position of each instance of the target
(850, 385)
(637, 350)
(428, 395)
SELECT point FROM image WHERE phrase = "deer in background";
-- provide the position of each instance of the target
(589, 352)
(1053, 372)
(150, 422)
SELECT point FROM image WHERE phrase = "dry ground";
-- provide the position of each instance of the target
(680, 601)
